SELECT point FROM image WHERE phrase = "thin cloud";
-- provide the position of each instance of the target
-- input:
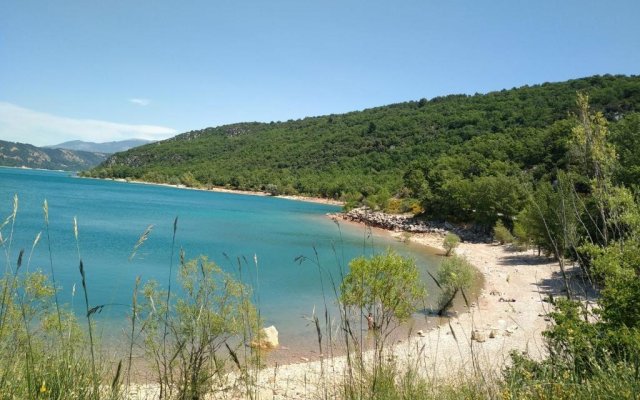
(18, 124)
(140, 102)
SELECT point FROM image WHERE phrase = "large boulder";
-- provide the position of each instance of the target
(267, 338)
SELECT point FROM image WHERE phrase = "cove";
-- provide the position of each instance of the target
(258, 238)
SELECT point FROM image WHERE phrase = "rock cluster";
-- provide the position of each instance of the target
(481, 335)
(407, 223)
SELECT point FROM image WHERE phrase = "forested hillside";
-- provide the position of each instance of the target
(458, 157)
(25, 155)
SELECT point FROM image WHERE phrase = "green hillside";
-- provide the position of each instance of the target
(25, 155)
(449, 154)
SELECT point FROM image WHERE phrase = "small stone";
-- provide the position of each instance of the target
(512, 328)
(478, 336)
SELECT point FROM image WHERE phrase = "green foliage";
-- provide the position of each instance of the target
(460, 156)
(625, 135)
(590, 147)
(502, 234)
(41, 351)
(450, 242)
(212, 308)
(393, 380)
(549, 219)
(611, 381)
(586, 360)
(616, 267)
(593, 352)
(455, 273)
(521, 236)
(386, 285)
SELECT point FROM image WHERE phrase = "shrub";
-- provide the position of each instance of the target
(387, 285)
(502, 234)
(455, 274)
(184, 340)
(450, 242)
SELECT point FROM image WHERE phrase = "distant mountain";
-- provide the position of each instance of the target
(107, 147)
(25, 155)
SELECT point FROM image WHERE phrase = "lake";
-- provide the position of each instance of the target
(226, 227)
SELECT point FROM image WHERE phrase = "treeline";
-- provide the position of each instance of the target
(458, 157)
(587, 216)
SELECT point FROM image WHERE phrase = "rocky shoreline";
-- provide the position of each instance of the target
(409, 223)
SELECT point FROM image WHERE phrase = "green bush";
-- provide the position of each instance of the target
(184, 336)
(387, 285)
(450, 243)
(454, 275)
(502, 234)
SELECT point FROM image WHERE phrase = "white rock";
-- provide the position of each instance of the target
(267, 338)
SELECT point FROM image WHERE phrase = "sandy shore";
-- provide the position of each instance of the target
(318, 200)
(509, 314)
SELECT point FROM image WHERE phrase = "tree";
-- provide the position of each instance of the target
(387, 285)
(455, 274)
(450, 243)
(625, 135)
(595, 158)
(496, 196)
(415, 182)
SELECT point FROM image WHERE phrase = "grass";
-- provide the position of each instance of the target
(195, 344)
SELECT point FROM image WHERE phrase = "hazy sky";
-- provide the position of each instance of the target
(105, 70)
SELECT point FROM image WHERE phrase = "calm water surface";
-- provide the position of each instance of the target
(226, 227)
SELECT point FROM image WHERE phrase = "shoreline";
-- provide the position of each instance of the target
(509, 314)
(218, 189)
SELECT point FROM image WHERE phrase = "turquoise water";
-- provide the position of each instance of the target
(226, 227)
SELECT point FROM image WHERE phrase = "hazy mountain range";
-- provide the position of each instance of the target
(106, 147)
(29, 156)
(75, 155)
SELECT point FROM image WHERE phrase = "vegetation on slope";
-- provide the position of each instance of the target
(460, 157)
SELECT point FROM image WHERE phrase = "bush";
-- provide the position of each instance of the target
(455, 274)
(502, 234)
(387, 285)
(185, 335)
(450, 242)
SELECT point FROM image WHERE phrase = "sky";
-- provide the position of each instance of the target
(103, 70)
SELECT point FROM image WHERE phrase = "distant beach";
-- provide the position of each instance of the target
(318, 200)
